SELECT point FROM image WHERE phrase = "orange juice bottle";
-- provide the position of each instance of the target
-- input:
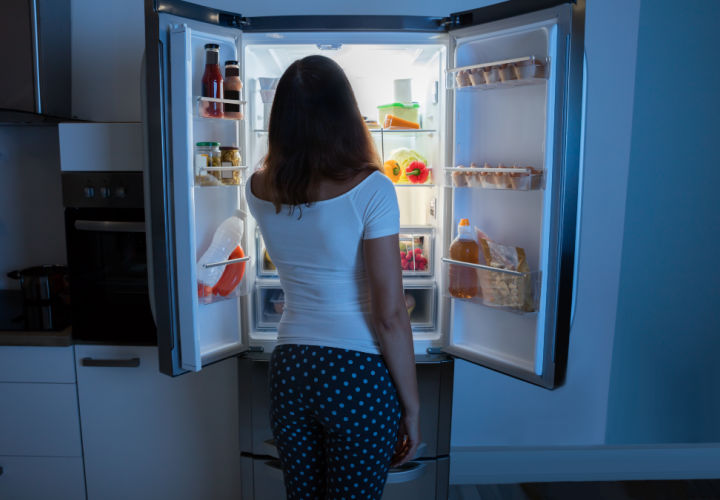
(464, 279)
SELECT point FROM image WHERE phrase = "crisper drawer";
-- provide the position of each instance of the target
(269, 304)
(49, 478)
(417, 480)
(416, 251)
(434, 387)
(39, 419)
(420, 300)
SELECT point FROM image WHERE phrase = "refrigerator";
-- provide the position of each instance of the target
(499, 96)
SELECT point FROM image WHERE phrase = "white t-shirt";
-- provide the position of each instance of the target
(319, 258)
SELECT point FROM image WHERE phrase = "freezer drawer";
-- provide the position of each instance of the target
(419, 480)
(434, 386)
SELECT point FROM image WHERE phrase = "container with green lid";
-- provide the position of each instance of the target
(207, 154)
(406, 111)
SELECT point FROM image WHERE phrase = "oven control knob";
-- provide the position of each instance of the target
(120, 192)
(105, 192)
(89, 192)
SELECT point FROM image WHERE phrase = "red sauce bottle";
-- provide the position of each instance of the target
(212, 82)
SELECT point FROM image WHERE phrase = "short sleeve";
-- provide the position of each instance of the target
(381, 215)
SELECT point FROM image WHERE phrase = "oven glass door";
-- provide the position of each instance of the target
(108, 275)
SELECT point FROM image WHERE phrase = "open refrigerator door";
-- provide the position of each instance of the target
(197, 201)
(512, 172)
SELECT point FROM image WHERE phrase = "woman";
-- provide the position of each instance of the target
(344, 399)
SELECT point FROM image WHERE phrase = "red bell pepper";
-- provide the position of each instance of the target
(417, 172)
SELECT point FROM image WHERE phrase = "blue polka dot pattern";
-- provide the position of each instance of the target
(335, 416)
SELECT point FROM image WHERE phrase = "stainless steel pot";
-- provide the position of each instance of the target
(46, 297)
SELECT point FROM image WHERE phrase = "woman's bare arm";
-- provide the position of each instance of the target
(392, 327)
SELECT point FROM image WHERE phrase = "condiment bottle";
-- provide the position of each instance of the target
(463, 280)
(232, 89)
(212, 82)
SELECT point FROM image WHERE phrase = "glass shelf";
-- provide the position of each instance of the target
(505, 289)
(202, 104)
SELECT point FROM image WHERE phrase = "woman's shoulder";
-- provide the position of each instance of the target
(373, 185)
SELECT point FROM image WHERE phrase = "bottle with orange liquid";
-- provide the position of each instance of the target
(464, 279)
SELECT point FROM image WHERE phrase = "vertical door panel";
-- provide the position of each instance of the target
(511, 112)
(194, 328)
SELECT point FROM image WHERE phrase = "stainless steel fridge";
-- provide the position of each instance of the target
(497, 96)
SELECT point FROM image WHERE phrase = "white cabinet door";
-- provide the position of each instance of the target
(149, 436)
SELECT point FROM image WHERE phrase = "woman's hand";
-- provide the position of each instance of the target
(408, 440)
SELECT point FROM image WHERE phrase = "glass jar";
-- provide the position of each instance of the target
(230, 157)
(207, 154)
(232, 89)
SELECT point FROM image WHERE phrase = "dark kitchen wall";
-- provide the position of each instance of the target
(31, 214)
(665, 379)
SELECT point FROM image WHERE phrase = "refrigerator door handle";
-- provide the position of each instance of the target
(406, 473)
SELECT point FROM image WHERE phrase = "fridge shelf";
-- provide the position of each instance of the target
(203, 104)
(206, 294)
(504, 289)
(409, 185)
(509, 178)
(205, 177)
(529, 70)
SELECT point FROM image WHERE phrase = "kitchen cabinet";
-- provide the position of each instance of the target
(40, 447)
(149, 436)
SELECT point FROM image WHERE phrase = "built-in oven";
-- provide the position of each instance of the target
(107, 261)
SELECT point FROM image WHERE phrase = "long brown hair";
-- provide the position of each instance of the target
(316, 132)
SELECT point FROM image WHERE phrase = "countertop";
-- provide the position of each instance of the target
(37, 338)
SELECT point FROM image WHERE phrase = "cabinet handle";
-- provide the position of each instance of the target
(1, 471)
(112, 363)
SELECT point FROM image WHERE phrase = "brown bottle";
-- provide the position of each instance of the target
(232, 89)
(463, 280)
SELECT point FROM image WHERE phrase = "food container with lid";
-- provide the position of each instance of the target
(406, 111)
(207, 154)
(230, 157)
(532, 67)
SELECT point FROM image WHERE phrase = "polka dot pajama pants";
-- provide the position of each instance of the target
(335, 416)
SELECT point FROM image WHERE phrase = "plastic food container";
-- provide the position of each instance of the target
(462, 78)
(476, 76)
(531, 68)
(410, 112)
(492, 74)
(507, 72)
(207, 154)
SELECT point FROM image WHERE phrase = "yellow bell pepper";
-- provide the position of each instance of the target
(392, 169)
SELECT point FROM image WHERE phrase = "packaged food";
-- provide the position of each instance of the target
(406, 111)
(460, 179)
(230, 157)
(501, 289)
(412, 253)
(392, 121)
(410, 303)
(463, 280)
(530, 68)
(207, 154)
(491, 74)
(212, 82)
(507, 72)
(277, 300)
(476, 77)
(232, 89)
(462, 78)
